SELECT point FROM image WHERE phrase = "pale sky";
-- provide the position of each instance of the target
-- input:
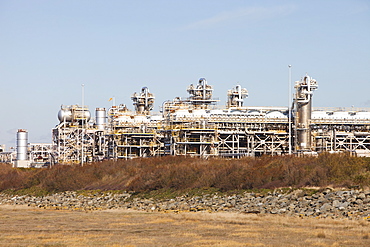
(49, 48)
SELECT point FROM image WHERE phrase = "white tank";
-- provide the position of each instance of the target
(73, 113)
(319, 115)
(65, 115)
(236, 112)
(156, 118)
(253, 113)
(101, 117)
(363, 115)
(22, 144)
(181, 113)
(340, 115)
(199, 113)
(124, 119)
(140, 119)
(217, 112)
(276, 114)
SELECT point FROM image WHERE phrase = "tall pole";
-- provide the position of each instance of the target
(83, 124)
(290, 110)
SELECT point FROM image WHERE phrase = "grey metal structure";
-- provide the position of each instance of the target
(74, 136)
(196, 126)
(236, 96)
(40, 155)
(201, 95)
(6, 156)
(143, 101)
(303, 107)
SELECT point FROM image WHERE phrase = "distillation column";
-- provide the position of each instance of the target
(303, 103)
(143, 101)
(201, 95)
(235, 96)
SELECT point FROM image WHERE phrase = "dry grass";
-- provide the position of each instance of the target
(181, 173)
(22, 226)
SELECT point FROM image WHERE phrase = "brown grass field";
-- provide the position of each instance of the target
(24, 226)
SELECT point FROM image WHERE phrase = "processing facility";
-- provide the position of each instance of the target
(197, 126)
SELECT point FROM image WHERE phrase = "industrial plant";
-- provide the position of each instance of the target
(197, 126)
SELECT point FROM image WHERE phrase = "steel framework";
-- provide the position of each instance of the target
(195, 126)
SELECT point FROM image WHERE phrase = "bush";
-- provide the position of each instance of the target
(183, 173)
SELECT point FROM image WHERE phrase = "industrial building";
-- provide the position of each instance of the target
(197, 126)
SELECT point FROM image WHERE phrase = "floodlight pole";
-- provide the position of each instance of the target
(83, 124)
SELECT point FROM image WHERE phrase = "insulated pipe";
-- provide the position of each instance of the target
(22, 144)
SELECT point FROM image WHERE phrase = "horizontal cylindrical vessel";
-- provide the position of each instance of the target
(73, 113)
(65, 115)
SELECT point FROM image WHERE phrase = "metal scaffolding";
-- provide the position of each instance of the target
(195, 126)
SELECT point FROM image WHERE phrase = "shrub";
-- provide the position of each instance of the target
(183, 173)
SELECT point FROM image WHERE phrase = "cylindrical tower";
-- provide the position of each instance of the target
(201, 95)
(101, 117)
(22, 144)
(303, 100)
(144, 101)
(235, 96)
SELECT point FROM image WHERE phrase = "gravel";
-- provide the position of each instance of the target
(350, 204)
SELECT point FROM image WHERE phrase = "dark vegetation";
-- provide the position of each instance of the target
(186, 174)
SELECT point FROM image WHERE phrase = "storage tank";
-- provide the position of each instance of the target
(181, 113)
(254, 113)
(363, 115)
(199, 113)
(140, 119)
(101, 118)
(65, 115)
(320, 115)
(22, 144)
(123, 119)
(276, 114)
(74, 113)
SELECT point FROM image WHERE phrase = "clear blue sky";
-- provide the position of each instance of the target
(49, 48)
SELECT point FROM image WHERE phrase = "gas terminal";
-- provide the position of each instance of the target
(196, 126)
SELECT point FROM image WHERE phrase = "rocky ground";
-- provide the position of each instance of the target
(350, 204)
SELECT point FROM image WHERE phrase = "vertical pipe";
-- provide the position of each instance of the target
(239, 90)
(83, 125)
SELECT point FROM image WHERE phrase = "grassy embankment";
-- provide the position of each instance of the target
(179, 174)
